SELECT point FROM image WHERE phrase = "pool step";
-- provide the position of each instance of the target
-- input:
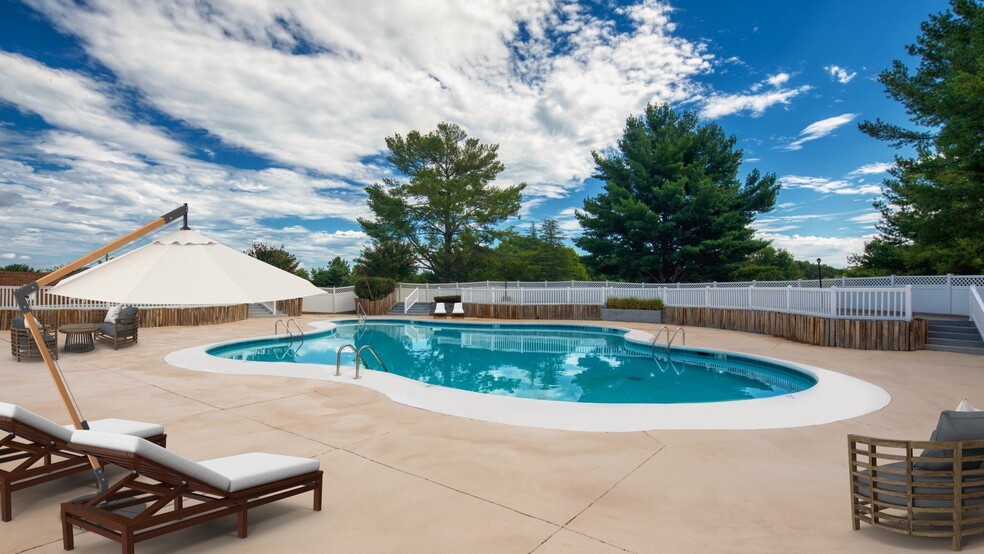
(419, 308)
(954, 336)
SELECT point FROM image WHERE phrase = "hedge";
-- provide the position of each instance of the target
(374, 288)
(449, 298)
(634, 304)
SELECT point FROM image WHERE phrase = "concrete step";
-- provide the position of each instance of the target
(958, 335)
(419, 308)
(957, 349)
(957, 342)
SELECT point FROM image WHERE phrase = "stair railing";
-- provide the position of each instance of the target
(411, 300)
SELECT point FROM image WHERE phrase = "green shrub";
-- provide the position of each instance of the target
(374, 288)
(449, 298)
(634, 304)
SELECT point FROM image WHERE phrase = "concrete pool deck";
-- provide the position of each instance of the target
(403, 479)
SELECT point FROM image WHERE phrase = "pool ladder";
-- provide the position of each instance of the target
(358, 358)
(669, 338)
(286, 326)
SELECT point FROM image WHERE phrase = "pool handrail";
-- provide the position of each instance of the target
(358, 358)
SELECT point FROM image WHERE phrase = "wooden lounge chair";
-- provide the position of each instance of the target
(22, 343)
(172, 492)
(440, 310)
(40, 446)
(123, 330)
(929, 488)
(458, 310)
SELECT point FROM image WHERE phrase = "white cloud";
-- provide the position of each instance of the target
(833, 250)
(820, 129)
(828, 186)
(870, 217)
(8, 255)
(873, 168)
(720, 105)
(314, 87)
(778, 79)
(839, 74)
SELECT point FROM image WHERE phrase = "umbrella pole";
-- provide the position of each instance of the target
(21, 296)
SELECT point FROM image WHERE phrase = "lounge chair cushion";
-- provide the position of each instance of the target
(17, 322)
(129, 311)
(458, 308)
(64, 433)
(149, 450)
(231, 474)
(108, 328)
(955, 426)
(124, 426)
(258, 468)
(971, 486)
(113, 313)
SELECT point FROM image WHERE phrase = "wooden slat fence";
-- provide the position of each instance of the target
(149, 317)
(841, 333)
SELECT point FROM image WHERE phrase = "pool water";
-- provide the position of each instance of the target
(545, 362)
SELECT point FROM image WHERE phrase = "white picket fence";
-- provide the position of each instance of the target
(834, 302)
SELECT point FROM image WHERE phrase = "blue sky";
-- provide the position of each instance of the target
(269, 117)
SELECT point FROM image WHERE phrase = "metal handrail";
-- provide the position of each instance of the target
(276, 328)
(362, 316)
(358, 358)
(669, 341)
(658, 334)
(296, 326)
(669, 337)
(371, 351)
(338, 359)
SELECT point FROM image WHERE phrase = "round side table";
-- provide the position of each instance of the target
(79, 337)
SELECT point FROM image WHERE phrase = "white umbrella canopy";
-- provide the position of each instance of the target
(185, 268)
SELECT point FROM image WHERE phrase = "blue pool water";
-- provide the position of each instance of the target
(546, 362)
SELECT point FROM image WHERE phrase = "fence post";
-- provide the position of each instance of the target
(707, 297)
(908, 302)
(789, 294)
(949, 293)
(750, 295)
(893, 280)
(568, 297)
(833, 302)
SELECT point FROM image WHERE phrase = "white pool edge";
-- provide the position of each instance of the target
(835, 397)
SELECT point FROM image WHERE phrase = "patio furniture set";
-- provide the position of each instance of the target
(120, 327)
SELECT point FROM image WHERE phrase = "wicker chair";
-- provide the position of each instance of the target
(22, 344)
(919, 488)
(122, 331)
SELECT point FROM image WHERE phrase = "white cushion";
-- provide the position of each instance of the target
(459, 308)
(113, 314)
(124, 426)
(965, 406)
(28, 417)
(439, 308)
(149, 450)
(245, 471)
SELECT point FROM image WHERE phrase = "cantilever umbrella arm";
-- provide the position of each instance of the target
(21, 296)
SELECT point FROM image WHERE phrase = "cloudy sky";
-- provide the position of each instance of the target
(268, 117)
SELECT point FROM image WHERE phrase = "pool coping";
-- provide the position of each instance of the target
(835, 397)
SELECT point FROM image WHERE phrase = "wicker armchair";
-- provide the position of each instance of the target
(122, 331)
(22, 344)
(918, 488)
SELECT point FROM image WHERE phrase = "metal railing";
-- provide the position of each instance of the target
(358, 358)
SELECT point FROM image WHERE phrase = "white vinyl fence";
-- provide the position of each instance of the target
(977, 308)
(335, 300)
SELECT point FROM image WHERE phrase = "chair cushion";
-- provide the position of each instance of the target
(966, 406)
(245, 471)
(459, 308)
(141, 447)
(108, 328)
(972, 485)
(112, 314)
(124, 426)
(17, 322)
(27, 417)
(129, 311)
(955, 426)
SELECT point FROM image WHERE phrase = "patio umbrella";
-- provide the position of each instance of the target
(185, 268)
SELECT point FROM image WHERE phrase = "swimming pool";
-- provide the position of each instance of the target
(542, 362)
(834, 397)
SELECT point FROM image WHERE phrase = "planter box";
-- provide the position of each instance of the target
(635, 316)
